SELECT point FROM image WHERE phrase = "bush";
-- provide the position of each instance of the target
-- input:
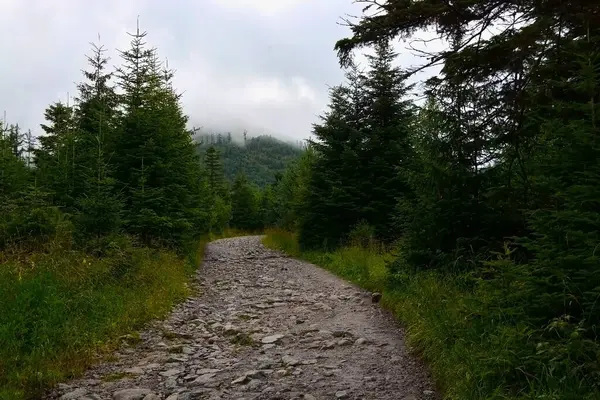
(29, 221)
(362, 234)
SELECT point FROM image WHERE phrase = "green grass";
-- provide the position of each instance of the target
(62, 310)
(475, 348)
(363, 266)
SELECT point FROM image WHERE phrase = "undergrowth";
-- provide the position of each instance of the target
(62, 310)
(473, 348)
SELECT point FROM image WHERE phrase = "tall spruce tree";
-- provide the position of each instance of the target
(334, 200)
(98, 206)
(244, 205)
(386, 148)
(214, 170)
(155, 159)
(14, 175)
(55, 158)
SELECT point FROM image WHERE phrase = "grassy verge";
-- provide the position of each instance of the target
(474, 347)
(61, 310)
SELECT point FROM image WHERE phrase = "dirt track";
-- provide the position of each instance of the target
(264, 326)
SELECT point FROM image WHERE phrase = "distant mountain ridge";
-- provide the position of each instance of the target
(260, 157)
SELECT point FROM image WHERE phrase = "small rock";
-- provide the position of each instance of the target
(170, 372)
(135, 371)
(341, 334)
(375, 297)
(344, 342)
(289, 360)
(205, 371)
(177, 359)
(131, 394)
(329, 345)
(266, 364)
(171, 383)
(203, 380)
(342, 394)
(174, 396)
(271, 339)
(309, 397)
(254, 374)
(254, 384)
(360, 341)
(63, 387)
(239, 380)
(74, 395)
(152, 396)
(428, 392)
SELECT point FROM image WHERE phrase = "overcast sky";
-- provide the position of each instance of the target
(263, 65)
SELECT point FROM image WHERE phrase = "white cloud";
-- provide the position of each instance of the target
(237, 66)
(268, 8)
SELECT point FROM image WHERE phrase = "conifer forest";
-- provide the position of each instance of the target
(478, 200)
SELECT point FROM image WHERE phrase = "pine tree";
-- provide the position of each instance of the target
(14, 175)
(156, 163)
(386, 148)
(214, 170)
(55, 158)
(244, 205)
(99, 208)
(334, 201)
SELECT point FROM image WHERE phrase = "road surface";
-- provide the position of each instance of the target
(262, 326)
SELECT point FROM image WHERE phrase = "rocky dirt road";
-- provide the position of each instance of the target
(263, 326)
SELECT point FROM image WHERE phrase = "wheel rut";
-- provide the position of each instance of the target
(261, 326)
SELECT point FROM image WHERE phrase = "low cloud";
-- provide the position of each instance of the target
(261, 65)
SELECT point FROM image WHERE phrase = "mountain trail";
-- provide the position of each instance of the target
(262, 326)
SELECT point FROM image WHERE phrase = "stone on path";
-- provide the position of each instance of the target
(75, 394)
(131, 394)
(271, 339)
(203, 379)
(375, 297)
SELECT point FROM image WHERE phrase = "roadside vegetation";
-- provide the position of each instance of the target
(484, 191)
(104, 217)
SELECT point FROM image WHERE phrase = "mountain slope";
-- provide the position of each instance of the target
(261, 158)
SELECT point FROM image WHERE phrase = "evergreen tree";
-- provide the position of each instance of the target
(267, 216)
(14, 175)
(155, 160)
(560, 285)
(386, 148)
(218, 192)
(214, 170)
(291, 191)
(334, 201)
(99, 208)
(55, 158)
(244, 205)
